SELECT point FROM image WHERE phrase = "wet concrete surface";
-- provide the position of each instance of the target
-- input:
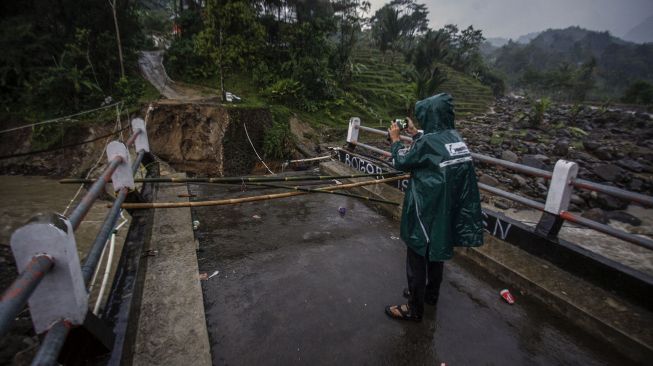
(299, 284)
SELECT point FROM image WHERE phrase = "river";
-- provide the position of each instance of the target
(23, 197)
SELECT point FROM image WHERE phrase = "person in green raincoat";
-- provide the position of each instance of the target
(441, 208)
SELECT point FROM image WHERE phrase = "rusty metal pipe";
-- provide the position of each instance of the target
(132, 138)
(631, 238)
(511, 196)
(85, 204)
(372, 148)
(614, 191)
(52, 343)
(14, 298)
(578, 183)
(93, 256)
(137, 161)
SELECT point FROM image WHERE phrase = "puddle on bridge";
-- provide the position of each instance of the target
(299, 284)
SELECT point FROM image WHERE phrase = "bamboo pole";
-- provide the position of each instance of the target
(233, 201)
(238, 179)
(310, 190)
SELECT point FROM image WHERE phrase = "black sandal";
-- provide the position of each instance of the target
(404, 313)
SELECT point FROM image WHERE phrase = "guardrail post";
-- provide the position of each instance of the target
(61, 294)
(141, 142)
(557, 198)
(352, 133)
(122, 176)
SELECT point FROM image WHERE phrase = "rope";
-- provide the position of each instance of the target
(59, 119)
(255, 152)
(62, 146)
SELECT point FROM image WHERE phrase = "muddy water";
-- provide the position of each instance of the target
(24, 196)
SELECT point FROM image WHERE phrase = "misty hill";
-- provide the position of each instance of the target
(497, 41)
(491, 44)
(618, 63)
(527, 37)
(641, 33)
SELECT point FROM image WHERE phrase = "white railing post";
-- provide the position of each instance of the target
(352, 133)
(61, 294)
(557, 198)
(122, 176)
(141, 142)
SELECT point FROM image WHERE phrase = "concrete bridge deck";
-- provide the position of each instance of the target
(299, 284)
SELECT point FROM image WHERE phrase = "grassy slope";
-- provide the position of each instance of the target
(381, 84)
(377, 93)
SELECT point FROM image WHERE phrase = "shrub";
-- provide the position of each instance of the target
(640, 92)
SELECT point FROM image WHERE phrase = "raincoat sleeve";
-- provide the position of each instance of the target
(418, 156)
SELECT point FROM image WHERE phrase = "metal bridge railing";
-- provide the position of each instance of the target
(563, 180)
(51, 277)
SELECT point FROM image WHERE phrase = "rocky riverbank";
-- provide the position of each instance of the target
(613, 147)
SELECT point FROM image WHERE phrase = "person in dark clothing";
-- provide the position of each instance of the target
(442, 207)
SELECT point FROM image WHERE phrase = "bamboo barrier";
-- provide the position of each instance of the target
(233, 201)
(303, 189)
(237, 179)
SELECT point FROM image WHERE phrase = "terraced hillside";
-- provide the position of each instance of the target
(382, 89)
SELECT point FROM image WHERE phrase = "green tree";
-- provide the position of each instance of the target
(464, 54)
(428, 81)
(65, 51)
(639, 92)
(396, 25)
(350, 17)
(231, 37)
(386, 28)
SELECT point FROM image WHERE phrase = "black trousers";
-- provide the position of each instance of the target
(424, 279)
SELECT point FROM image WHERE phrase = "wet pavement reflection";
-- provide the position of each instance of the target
(298, 283)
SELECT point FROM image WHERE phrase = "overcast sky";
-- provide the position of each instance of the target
(513, 18)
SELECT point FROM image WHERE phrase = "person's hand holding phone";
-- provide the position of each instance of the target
(410, 128)
(394, 132)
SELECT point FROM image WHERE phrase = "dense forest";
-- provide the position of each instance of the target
(301, 52)
(59, 57)
(306, 55)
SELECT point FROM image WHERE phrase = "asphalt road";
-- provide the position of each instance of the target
(300, 284)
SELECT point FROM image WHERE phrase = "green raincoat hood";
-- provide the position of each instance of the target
(435, 113)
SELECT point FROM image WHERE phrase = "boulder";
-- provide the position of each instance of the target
(543, 158)
(631, 165)
(561, 147)
(502, 203)
(608, 172)
(635, 185)
(509, 156)
(611, 203)
(603, 153)
(591, 145)
(533, 161)
(518, 181)
(624, 217)
(596, 214)
(489, 180)
(531, 136)
(577, 200)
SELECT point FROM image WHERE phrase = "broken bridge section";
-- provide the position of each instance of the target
(208, 139)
